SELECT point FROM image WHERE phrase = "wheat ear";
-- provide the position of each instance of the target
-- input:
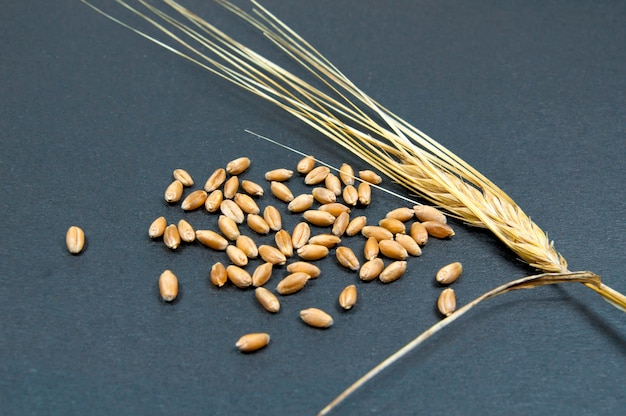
(354, 120)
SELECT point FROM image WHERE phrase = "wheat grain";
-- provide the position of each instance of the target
(211, 239)
(409, 244)
(252, 342)
(356, 225)
(231, 186)
(341, 224)
(278, 175)
(183, 176)
(218, 274)
(393, 271)
(393, 225)
(378, 232)
(267, 299)
(300, 235)
(236, 255)
(247, 245)
(333, 184)
(171, 237)
(237, 166)
(252, 188)
(346, 174)
(168, 286)
(403, 214)
(258, 224)
(75, 239)
(271, 254)
(246, 203)
(448, 274)
(272, 217)
(316, 318)
(157, 228)
(186, 231)
(347, 258)
(371, 269)
(446, 303)
(305, 165)
(370, 176)
(214, 200)
(319, 218)
(419, 233)
(281, 191)
(238, 276)
(350, 195)
(228, 227)
(173, 192)
(326, 240)
(323, 195)
(262, 273)
(370, 249)
(292, 283)
(312, 252)
(392, 249)
(317, 175)
(194, 200)
(304, 267)
(216, 180)
(348, 297)
(335, 208)
(232, 210)
(283, 243)
(364, 193)
(301, 203)
(438, 229)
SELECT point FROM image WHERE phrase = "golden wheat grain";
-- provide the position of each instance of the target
(278, 175)
(252, 188)
(218, 274)
(304, 267)
(305, 165)
(168, 286)
(356, 225)
(267, 299)
(238, 276)
(216, 180)
(252, 342)
(231, 186)
(449, 273)
(174, 192)
(237, 166)
(214, 200)
(262, 273)
(348, 297)
(75, 239)
(183, 176)
(186, 231)
(157, 228)
(194, 200)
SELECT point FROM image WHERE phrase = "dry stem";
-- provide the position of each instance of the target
(588, 278)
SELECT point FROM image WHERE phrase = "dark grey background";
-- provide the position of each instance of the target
(94, 119)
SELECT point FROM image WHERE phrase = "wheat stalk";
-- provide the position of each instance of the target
(351, 118)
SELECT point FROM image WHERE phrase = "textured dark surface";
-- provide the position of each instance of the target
(94, 119)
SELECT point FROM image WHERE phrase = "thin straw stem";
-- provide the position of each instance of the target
(588, 278)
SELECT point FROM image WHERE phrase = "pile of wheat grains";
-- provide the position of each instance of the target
(249, 212)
